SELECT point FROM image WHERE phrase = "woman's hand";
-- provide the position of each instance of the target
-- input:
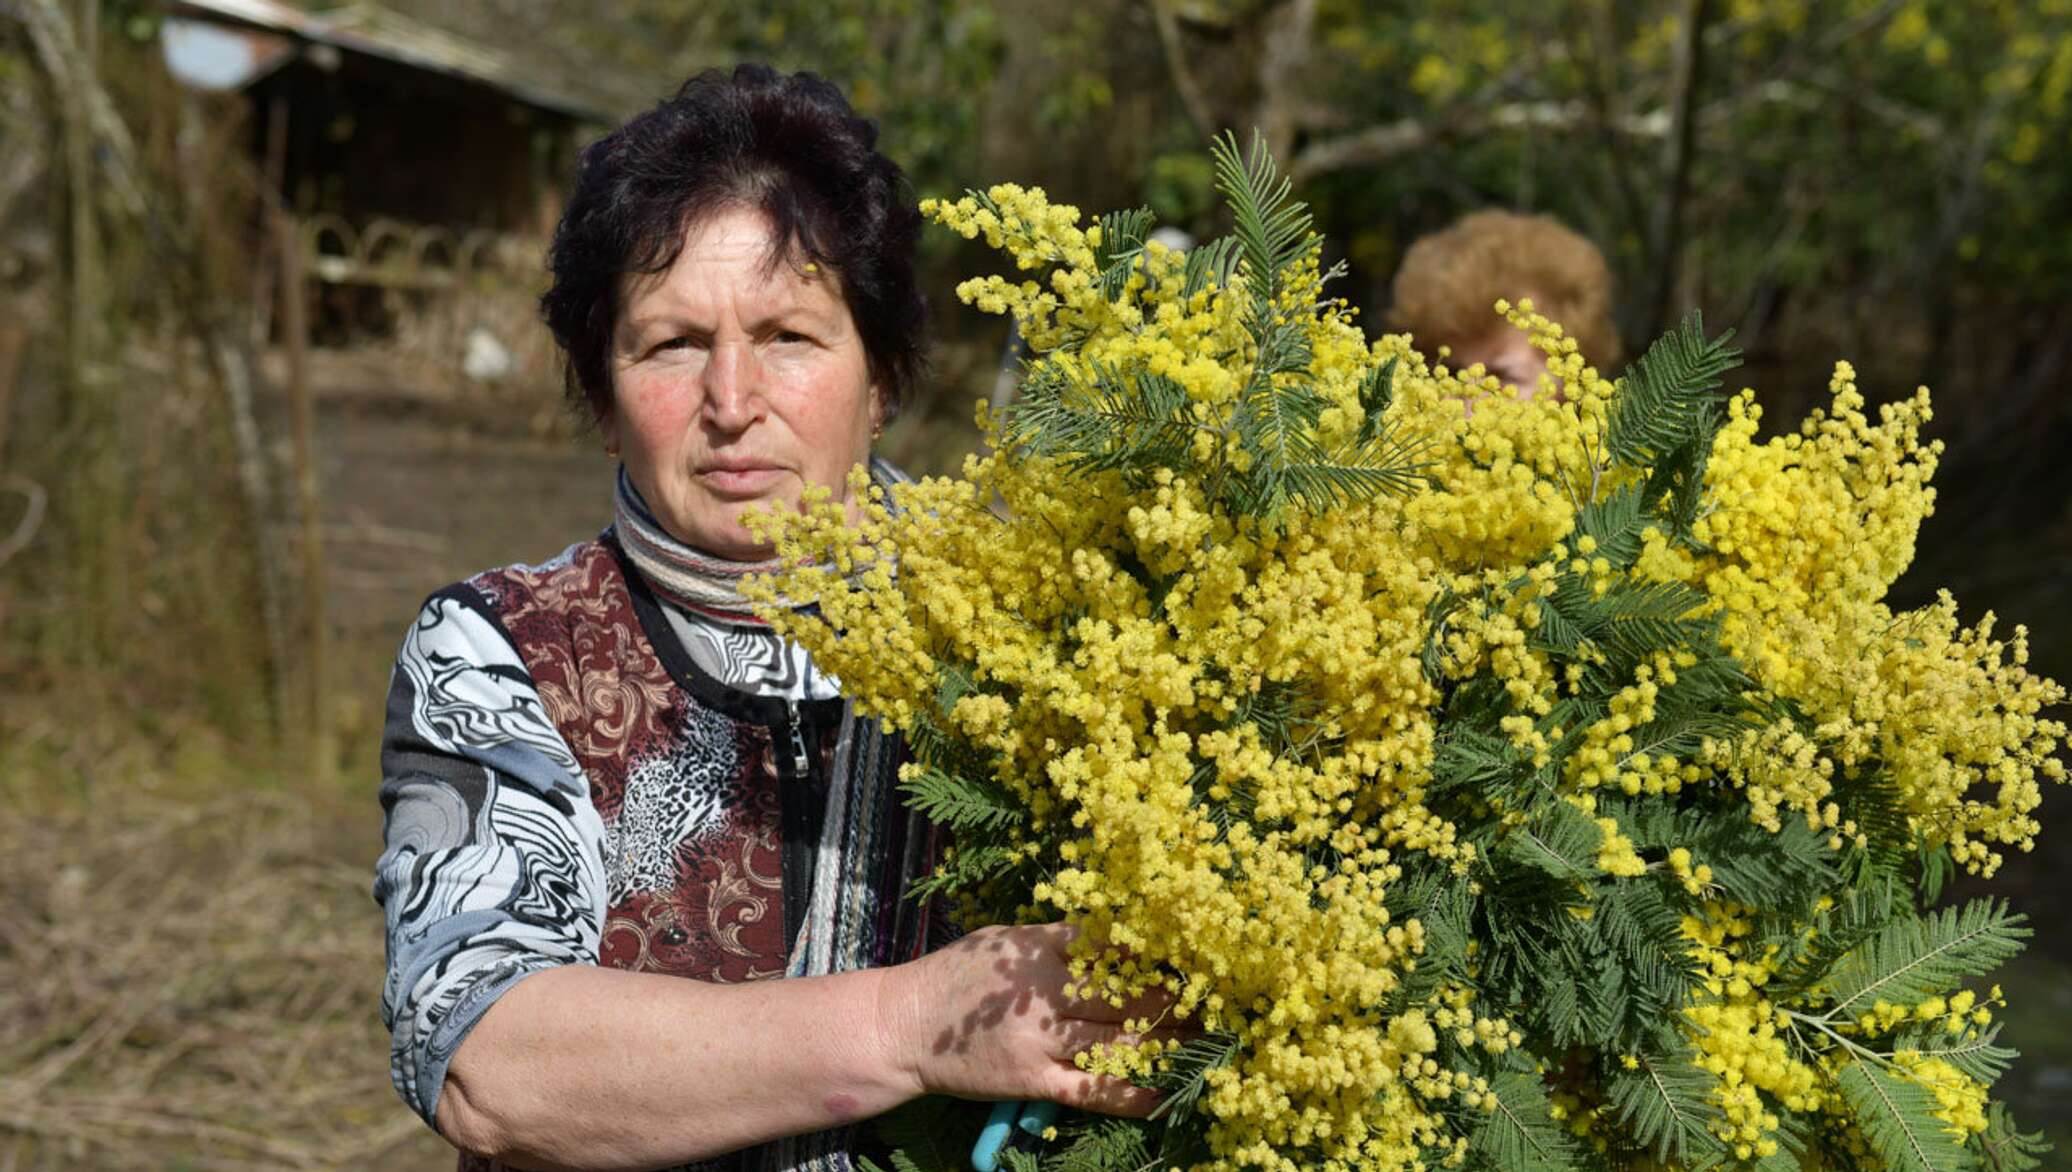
(988, 1018)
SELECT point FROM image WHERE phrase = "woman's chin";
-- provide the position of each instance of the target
(727, 534)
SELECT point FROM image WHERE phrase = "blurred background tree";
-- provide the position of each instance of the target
(1879, 180)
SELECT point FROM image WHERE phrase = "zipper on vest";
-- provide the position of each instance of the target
(797, 730)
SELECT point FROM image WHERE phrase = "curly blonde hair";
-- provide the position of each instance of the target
(1450, 280)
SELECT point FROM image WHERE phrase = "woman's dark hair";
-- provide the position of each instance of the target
(789, 147)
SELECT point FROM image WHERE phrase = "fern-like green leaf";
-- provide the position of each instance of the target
(1130, 421)
(1641, 933)
(1122, 239)
(1520, 1133)
(1322, 482)
(2004, 1149)
(1669, 396)
(1272, 228)
(962, 803)
(1912, 958)
(1210, 265)
(1666, 1105)
(1976, 1055)
(1897, 1118)
(1377, 392)
(1615, 523)
(1783, 872)
(1186, 1074)
(1101, 1144)
(971, 864)
(1562, 842)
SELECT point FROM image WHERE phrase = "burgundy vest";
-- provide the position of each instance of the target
(711, 798)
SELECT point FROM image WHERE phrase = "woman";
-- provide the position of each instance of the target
(602, 776)
(1449, 281)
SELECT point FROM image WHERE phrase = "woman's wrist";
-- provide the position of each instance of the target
(896, 1035)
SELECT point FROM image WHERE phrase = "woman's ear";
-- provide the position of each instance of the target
(608, 431)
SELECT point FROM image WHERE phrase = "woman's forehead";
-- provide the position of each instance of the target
(733, 253)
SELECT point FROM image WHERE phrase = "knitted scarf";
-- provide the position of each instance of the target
(857, 915)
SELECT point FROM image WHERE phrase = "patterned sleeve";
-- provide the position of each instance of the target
(492, 868)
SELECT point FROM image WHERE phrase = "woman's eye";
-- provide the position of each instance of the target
(790, 336)
(679, 342)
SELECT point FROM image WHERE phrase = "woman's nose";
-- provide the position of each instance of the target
(733, 391)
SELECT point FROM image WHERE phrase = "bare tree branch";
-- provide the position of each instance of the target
(1184, 81)
(1665, 231)
(1379, 144)
(32, 515)
(59, 55)
(1283, 60)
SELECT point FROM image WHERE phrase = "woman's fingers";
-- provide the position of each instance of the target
(1072, 1036)
(1103, 1094)
(1153, 1004)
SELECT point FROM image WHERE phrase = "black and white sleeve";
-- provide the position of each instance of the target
(492, 867)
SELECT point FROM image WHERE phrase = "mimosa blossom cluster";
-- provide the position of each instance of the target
(1126, 641)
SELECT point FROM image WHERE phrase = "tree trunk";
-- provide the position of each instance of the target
(1665, 234)
(176, 258)
(315, 660)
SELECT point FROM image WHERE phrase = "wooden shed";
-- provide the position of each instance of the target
(407, 156)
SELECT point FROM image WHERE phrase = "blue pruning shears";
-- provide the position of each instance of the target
(1032, 1117)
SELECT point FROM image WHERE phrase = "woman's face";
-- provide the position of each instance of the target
(735, 384)
(1509, 354)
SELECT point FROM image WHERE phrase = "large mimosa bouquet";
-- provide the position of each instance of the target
(1492, 782)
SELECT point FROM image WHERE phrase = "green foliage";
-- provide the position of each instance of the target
(1134, 421)
(1912, 957)
(1277, 416)
(1782, 873)
(1975, 1055)
(1097, 1144)
(1616, 522)
(1897, 1117)
(1669, 398)
(933, 1133)
(1210, 265)
(2004, 1149)
(1186, 1075)
(1376, 393)
(962, 803)
(1272, 227)
(1115, 422)
(1520, 1133)
(1561, 842)
(1122, 239)
(1666, 1106)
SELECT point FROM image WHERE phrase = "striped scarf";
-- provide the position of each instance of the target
(857, 915)
(691, 578)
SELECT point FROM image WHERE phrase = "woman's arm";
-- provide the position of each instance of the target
(508, 1037)
(596, 1068)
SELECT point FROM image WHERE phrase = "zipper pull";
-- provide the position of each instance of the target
(798, 738)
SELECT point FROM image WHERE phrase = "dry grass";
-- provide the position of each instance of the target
(191, 982)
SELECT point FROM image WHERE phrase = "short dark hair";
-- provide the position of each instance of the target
(788, 146)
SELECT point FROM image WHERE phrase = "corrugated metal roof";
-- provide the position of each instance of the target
(378, 32)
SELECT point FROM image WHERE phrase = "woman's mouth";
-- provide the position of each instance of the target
(740, 480)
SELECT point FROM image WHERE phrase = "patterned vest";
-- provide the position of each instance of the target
(715, 802)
